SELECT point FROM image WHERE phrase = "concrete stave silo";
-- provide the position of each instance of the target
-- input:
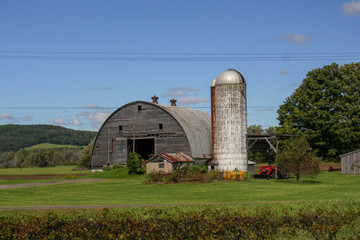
(230, 121)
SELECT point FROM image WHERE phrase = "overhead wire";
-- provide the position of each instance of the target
(175, 56)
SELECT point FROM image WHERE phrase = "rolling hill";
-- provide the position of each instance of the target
(14, 137)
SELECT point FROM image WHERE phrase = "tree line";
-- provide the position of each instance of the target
(15, 137)
(47, 157)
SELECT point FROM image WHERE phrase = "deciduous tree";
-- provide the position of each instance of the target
(326, 109)
(297, 157)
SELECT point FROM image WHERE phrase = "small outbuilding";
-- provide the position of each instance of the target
(251, 167)
(168, 162)
(350, 163)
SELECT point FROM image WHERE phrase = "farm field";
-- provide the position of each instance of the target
(325, 207)
(121, 189)
(51, 145)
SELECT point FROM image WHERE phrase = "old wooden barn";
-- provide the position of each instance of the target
(350, 163)
(151, 129)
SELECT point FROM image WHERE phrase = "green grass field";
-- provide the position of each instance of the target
(58, 170)
(330, 193)
(51, 145)
(121, 189)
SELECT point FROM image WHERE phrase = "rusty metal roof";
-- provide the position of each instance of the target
(175, 157)
(197, 127)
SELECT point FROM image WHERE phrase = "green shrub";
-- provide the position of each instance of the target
(208, 223)
(134, 163)
(194, 173)
(198, 168)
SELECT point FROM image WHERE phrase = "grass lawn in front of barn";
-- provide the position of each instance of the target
(122, 189)
(58, 170)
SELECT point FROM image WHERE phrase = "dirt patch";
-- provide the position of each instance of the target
(48, 183)
(326, 166)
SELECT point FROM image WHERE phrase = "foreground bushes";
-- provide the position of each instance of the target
(157, 224)
(194, 173)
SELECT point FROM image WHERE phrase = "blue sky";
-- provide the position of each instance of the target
(72, 63)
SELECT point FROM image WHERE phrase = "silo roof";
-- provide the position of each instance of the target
(230, 76)
(197, 127)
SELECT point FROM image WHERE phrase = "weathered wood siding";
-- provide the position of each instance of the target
(350, 163)
(111, 144)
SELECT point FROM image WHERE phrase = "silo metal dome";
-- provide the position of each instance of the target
(230, 76)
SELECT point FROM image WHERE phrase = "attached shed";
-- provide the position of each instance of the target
(168, 162)
(150, 129)
(350, 163)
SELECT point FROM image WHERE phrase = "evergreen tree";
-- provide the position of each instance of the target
(134, 163)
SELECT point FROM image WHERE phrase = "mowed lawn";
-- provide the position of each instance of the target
(131, 191)
(58, 170)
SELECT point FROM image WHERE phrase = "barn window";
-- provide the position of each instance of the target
(120, 127)
(161, 165)
(139, 107)
(161, 126)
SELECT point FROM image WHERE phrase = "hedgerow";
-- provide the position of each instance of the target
(194, 173)
(205, 224)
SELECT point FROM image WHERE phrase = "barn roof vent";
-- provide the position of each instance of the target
(173, 102)
(155, 98)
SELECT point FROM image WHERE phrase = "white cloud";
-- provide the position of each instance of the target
(295, 38)
(185, 95)
(173, 94)
(179, 91)
(10, 118)
(76, 122)
(71, 122)
(6, 116)
(284, 72)
(98, 117)
(192, 100)
(351, 8)
(91, 106)
(95, 118)
(58, 121)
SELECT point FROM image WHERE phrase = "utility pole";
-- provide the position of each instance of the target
(108, 151)
(133, 138)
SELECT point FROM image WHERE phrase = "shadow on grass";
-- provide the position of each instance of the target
(301, 181)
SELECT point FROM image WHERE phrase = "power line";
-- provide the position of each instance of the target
(112, 107)
(174, 56)
(182, 53)
(105, 108)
